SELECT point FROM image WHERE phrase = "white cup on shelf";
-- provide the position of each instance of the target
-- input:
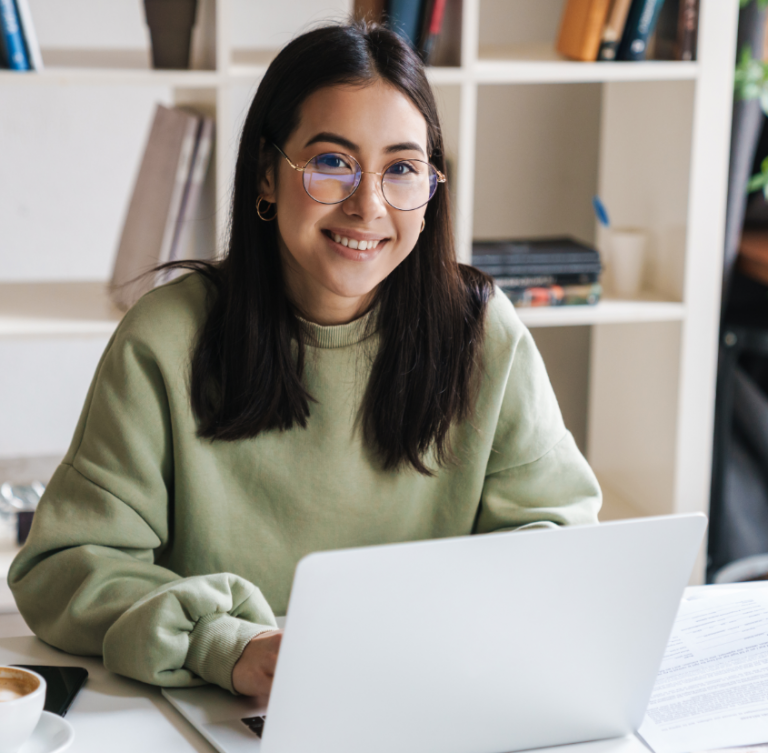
(626, 259)
(22, 697)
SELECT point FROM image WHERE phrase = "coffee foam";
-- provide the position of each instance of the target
(16, 683)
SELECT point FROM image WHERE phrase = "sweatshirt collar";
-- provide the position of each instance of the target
(338, 335)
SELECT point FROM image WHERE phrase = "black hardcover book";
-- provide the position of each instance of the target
(514, 282)
(641, 22)
(535, 256)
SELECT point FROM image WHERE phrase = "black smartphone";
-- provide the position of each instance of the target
(62, 685)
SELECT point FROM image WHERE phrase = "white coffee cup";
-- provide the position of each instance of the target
(22, 697)
(627, 261)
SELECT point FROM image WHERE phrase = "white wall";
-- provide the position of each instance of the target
(65, 185)
(50, 378)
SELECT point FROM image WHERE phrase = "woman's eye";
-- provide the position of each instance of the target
(332, 162)
(400, 169)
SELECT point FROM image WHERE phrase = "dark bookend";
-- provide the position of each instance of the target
(158, 193)
(404, 17)
(34, 56)
(430, 33)
(641, 22)
(581, 28)
(10, 28)
(614, 28)
(369, 10)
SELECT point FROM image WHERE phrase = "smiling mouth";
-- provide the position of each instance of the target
(352, 243)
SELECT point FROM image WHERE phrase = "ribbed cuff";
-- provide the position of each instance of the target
(216, 643)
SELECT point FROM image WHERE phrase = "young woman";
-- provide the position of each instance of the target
(337, 380)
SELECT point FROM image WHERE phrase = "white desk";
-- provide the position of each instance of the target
(124, 716)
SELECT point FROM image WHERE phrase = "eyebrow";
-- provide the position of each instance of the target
(334, 138)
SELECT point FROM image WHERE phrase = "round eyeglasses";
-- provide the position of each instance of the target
(333, 177)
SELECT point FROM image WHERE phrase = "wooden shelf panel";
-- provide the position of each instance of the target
(533, 63)
(540, 63)
(84, 308)
(60, 76)
(608, 311)
(113, 67)
(53, 309)
(252, 65)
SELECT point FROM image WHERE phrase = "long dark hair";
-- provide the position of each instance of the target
(245, 377)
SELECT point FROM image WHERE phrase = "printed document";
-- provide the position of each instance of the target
(712, 688)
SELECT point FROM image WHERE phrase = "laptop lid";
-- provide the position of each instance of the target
(483, 643)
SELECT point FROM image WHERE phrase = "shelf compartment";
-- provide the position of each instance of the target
(607, 311)
(539, 63)
(53, 309)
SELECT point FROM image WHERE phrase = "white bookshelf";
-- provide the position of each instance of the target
(531, 138)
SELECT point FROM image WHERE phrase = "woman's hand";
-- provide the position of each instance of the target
(255, 669)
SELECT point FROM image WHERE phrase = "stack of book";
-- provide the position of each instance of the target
(629, 29)
(164, 204)
(542, 272)
(19, 49)
(418, 21)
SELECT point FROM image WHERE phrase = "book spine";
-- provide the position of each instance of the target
(688, 29)
(433, 28)
(183, 174)
(555, 295)
(641, 22)
(530, 281)
(614, 28)
(30, 36)
(3, 51)
(14, 41)
(581, 28)
(369, 10)
(189, 205)
(404, 17)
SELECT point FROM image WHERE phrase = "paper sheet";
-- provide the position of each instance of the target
(712, 688)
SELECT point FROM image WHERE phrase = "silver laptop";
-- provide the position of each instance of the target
(478, 644)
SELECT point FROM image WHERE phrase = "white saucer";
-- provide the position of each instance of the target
(52, 735)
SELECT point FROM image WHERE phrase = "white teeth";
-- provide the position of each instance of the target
(352, 243)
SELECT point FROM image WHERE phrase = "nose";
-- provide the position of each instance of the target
(367, 202)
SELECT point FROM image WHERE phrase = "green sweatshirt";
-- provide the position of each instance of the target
(167, 553)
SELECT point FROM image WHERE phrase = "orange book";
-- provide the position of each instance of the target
(581, 28)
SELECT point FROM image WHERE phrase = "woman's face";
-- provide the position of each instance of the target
(328, 281)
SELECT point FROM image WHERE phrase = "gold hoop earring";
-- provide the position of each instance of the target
(258, 209)
(423, 225)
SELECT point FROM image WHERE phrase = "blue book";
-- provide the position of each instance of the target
(14, 40)
(641, 21)
(404, 17)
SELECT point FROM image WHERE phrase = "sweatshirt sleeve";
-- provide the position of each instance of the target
(87, 581)
(536, 476)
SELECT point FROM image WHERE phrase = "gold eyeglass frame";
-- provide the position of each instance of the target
(440, 177)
